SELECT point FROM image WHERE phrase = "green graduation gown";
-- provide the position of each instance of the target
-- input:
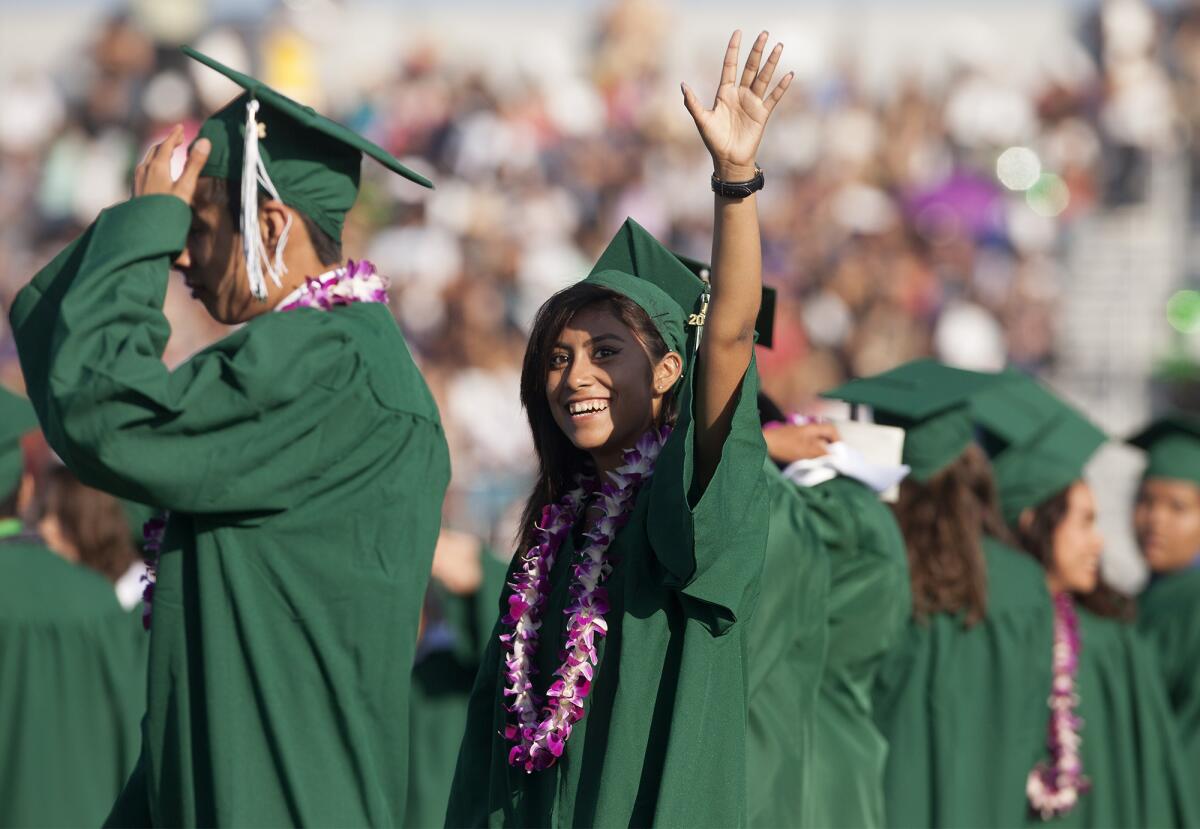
(964, 709)
(1169, 616)
(304, 466)
(73, 669)
(442, 681)
(869, 601)
(1130, 751)
(664, 738)
(787, 637)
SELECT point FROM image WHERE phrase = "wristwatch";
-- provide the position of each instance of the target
(738, 189)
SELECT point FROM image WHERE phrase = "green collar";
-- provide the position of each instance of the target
(10, 526)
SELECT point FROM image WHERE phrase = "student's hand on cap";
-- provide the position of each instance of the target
(790, 443)
(153, 175)
(734, 126)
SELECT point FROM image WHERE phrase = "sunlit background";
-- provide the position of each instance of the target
(987, 182)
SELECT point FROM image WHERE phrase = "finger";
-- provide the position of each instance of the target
(764, 77)
(827, 432)
(191, 170)
(753, 59)
(729, 68)
(694, 107)
(160, 153)
(778, 91)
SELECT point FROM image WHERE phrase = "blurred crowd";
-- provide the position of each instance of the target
(924, 218)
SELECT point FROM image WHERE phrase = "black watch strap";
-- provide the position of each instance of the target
(738, 189)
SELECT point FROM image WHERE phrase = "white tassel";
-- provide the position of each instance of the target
(254, 173)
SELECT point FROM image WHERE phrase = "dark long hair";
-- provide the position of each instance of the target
(559, 461)
(1037, 538)
(944, 521)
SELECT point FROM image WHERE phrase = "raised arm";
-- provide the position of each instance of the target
(731, 131)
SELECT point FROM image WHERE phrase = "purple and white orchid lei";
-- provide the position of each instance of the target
(356, 282)
(152, 538)
(1054, 788)
(539, 740)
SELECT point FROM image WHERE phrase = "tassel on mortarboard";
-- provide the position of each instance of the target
(254, 173)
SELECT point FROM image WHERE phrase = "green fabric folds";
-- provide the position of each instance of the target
(1172, 445)
(869, 602)
(664, 739)
(1130, 750)
(1169, 617)
(788, 640)
(964, 709)
(74, 688)
(304, 466)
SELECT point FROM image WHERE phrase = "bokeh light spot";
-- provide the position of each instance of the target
(1049, 196)
(1183, 311)
(1018, 168)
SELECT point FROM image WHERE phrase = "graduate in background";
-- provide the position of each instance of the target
(834, 600)
(1166, 518)
(1109, 755)
(301, 459)
(456, 621)
(90, 527)
(628, 605)
(72, 663)
(961, 698)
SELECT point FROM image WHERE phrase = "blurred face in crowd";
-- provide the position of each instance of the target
(1166, 519)
(603, 388)
(1077, 544)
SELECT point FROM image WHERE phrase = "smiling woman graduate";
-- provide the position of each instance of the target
(613, 691)
(301, 458)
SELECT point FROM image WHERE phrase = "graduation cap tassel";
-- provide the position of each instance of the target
(254, 173)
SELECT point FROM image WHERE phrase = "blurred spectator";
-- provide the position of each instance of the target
(90, 527)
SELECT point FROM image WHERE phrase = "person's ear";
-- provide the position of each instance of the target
(273, 218)
(1025, 519)
(667, 372)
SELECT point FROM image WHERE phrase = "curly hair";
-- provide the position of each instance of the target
(944, 521)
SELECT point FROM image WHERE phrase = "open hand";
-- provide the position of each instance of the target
(153, 175)
(789, 443)
(733, 128)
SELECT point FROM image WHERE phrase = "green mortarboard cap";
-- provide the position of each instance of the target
(1041, 444)
(930, 401)
(16, 418)
(764, 326)
(1013, 410)
(302, 158)
(636, 265)
(1172, 444)
(1029, 473)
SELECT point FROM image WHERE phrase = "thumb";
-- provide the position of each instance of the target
(694, 107)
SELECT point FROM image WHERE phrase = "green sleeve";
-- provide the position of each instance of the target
(1169, 617)
(210, 436)
(710, 544)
